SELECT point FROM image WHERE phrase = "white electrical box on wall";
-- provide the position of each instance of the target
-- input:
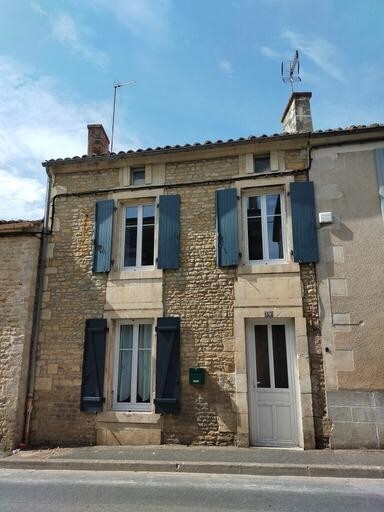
(325, 218)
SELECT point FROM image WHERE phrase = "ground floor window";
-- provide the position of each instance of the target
(133, 367)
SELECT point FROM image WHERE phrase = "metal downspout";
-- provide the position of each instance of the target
(36, 316)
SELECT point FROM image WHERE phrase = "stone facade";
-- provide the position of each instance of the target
(71, 295)
(203, 295)
(213, 303)
(19, 252)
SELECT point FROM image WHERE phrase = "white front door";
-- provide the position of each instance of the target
(271, 385)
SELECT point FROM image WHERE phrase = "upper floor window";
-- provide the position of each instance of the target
(138, 176)
(139, 232)
(265, 227)
(261, 163)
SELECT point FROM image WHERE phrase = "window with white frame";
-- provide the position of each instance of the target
(139, 233)
(265, 227)
(133, 367)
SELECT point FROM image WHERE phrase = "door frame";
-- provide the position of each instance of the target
(293, 372)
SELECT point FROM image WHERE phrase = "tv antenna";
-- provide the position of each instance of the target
(290, 71)
(116, 86)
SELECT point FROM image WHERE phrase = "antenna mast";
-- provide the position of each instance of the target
(290, 70)
(116, 86)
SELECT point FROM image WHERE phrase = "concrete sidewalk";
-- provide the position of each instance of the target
(197, 459)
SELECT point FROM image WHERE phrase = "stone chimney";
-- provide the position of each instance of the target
(98, 142)
(297, 114)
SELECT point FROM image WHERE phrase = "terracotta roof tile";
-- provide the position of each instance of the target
(217, 142)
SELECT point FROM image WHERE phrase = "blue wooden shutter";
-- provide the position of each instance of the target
(93, 365)
(226, 219)
(379, 159)
(103, 236)
(167, 399)
(305, 249)
(169, 232)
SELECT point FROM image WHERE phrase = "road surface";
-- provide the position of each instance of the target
(70, 491)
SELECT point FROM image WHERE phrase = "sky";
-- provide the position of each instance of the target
(203, 70)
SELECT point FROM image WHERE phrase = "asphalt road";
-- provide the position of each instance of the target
(69, 491)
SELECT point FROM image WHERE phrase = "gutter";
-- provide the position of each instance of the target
(36, 317)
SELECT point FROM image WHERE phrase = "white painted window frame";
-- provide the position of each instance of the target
(131, 406)
(140, 207)
(263, 193)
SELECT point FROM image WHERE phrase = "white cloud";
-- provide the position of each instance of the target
(147, 19)
(65, 31)
(319, 50)
(38, 123)
(269, 52)
(226, 66)
(21, 198)
(37, 7)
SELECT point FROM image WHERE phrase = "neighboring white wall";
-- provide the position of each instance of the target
(350, 275)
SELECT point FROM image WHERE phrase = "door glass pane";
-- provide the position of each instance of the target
(275, 238)
(130, 237)
(144, 364)
(262, 357)
(280, 356)
(125, 364)
(148, 235)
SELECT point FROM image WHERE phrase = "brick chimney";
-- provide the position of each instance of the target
(98, 142)
(297, 114)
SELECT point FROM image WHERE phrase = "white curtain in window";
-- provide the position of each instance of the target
(125, 364)
(144, 364)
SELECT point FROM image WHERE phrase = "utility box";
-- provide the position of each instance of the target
(197, 376)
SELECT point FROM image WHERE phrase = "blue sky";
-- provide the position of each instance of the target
(204, 69)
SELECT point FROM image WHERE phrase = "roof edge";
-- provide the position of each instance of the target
(352, 130)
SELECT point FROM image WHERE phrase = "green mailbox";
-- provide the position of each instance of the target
(197, 376)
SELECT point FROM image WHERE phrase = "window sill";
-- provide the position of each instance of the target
(153, 273)
(268, 268)
(128, 417)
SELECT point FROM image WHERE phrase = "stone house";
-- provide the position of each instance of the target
(20, 243)
(184, 295)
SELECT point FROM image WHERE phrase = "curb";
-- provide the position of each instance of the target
(231, 468)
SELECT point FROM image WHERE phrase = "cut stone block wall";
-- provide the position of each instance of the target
(357, 418)
(19, 260)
